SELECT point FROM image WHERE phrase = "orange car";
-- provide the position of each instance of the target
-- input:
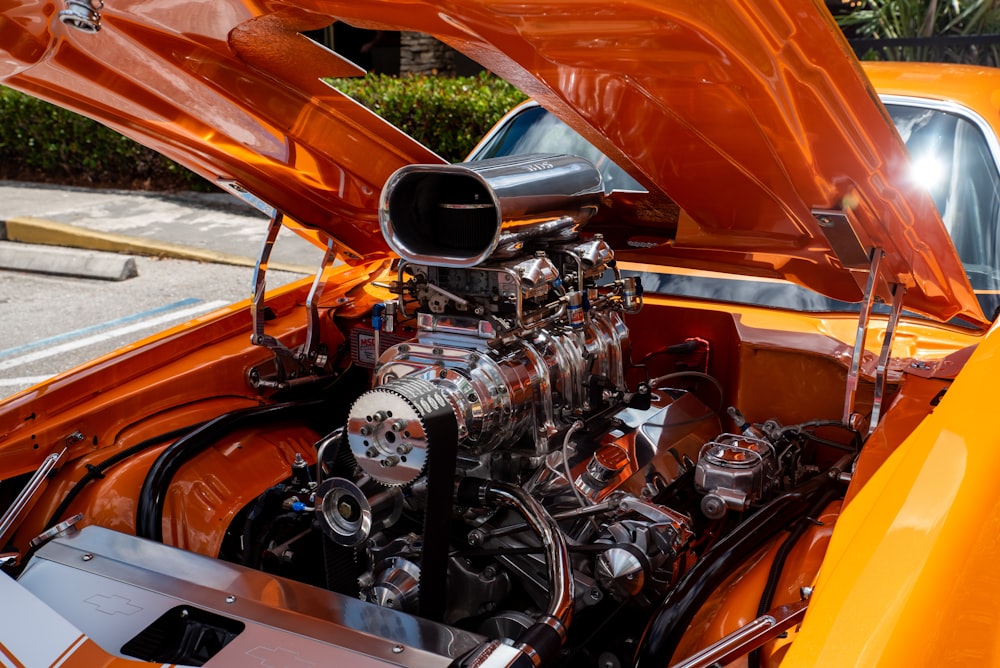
(720, 401)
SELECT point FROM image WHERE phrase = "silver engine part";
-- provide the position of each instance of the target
(519, 328)
(460, 215)
(733, 472)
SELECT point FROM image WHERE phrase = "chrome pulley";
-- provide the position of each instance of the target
(391, 427)
(348, 517)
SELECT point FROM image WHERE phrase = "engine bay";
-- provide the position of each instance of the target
(520, 443)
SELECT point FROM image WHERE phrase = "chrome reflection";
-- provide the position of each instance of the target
(82, 15)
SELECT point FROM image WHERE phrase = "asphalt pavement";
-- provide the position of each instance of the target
(207, 227)
(86, 271)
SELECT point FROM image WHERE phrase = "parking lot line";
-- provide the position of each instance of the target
(127, 325)
(25, 381)
(83, 331)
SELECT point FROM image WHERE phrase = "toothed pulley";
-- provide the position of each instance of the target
(390, 428)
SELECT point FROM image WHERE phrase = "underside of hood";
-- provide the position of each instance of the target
(764, 148)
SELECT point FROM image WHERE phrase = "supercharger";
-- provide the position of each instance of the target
(519, 327)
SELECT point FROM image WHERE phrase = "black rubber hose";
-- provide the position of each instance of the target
(149, 513)
(665, 629)
(97, 471)
(778, 565)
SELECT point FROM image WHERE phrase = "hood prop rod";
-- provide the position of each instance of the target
(853, 375)
(27, 494)
(898, 290)
(259, 338)
(292, 367)
(312, 353)
(285, 361)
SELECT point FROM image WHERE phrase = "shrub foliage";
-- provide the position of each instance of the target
(448, 115)
(42, 142)
(930, 19)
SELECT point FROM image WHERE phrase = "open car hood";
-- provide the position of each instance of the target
(753, 118)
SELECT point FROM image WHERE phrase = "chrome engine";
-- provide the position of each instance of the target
(518, 333)
(514, 387)
(499, 474)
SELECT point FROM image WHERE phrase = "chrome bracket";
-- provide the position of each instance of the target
(259, 338)
(285, 366)
(843, 239)
(83, 15)
(30, 489)
(881, 371)
(864, 317)
(747, 638)
(311, 352)
(288, 368)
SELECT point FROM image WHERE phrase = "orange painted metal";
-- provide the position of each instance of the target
(977, 88)
(186, 80)
(176, 379)
(748, 115)
(735, 602)
(909, 578)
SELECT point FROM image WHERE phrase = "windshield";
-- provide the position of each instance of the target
(951, 158)
(953, 161)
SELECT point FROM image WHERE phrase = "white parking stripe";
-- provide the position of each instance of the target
(23, 380)
(182, 314)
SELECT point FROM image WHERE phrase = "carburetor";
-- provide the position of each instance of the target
(519, 328)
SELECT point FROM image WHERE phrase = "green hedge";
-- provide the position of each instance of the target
(41, 142)
(448, 115)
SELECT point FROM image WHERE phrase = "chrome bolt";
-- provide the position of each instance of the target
(88, 557)
(805, 593)
(230, 599)
(397, 649)
(390, 461)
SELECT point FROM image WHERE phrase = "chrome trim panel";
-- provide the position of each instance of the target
(112, 585)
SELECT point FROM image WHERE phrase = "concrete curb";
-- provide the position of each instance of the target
(47, 232)
(66, 262)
